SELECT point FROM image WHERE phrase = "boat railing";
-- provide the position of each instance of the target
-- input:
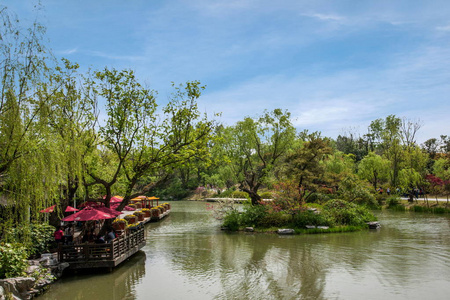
(96, 252)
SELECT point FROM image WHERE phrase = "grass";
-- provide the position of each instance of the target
(422, 207)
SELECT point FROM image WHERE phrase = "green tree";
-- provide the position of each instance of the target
(253, 148)
(30, 168)
(139, 142)
(305, 164)
(374, 169)
(409, 180)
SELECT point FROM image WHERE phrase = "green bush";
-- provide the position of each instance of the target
(266, 195)
(392, 201)
(311, 218)
(345, 213)
(240, 194)
(232, 220)
(274, 219)
(380, 198)
(13, 260)
(41, 238)
(36, 238)
(253, 214)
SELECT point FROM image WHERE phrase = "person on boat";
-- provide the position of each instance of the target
(110, 236)
(58, 234)
(68, 235)
(89, 237)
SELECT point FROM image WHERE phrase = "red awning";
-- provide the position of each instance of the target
(89, 203)
(115, 199)
(48, 209)
(71, 209)
(108, 210)
(89, 214)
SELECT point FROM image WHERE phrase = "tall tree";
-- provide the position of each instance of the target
(139, 142)
(254, 147)
(305, 164)
(374, 169)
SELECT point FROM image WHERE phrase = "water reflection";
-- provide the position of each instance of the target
(340, 266)
(117, 285)
(188, 257)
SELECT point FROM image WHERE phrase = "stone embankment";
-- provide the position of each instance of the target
(40, 273)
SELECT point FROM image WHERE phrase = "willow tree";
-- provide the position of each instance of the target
(71, 117)
(29, 164)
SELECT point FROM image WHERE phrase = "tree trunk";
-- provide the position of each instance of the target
(255, 198)
(253, 194)
(411, 196)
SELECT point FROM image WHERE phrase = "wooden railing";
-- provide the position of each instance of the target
(102, 252)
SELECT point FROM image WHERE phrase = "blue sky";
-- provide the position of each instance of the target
(335, 65)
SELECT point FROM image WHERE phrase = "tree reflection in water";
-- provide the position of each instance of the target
(188, 257)
(211, 264)
(117, 285)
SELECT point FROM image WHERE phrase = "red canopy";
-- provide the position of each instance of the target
(115, 199)
(89, 214)
(129, 208)
(108, 210)
(48, 209)
(89, 203)
(71, 209)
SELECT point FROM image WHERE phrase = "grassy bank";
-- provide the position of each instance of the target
(422, 206)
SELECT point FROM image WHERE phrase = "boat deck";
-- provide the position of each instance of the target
(110, 255)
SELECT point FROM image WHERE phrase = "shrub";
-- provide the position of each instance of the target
(274, 219)
(252, 214)
(13, 260)
(266, 195)
(232, 220)
(36, 237)
(240, 194)
(345, 213)
(392, 201)
(379, 198)
(311, 218)
(41, 238)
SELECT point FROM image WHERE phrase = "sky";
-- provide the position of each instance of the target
(334, 65)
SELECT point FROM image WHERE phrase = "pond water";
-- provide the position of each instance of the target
(187, 256)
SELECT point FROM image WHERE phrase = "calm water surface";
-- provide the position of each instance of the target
(188, 257)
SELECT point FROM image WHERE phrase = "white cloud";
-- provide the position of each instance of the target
(325, 17)
(414, 86)
(68, 51)
(443, 28)
(115, 57)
